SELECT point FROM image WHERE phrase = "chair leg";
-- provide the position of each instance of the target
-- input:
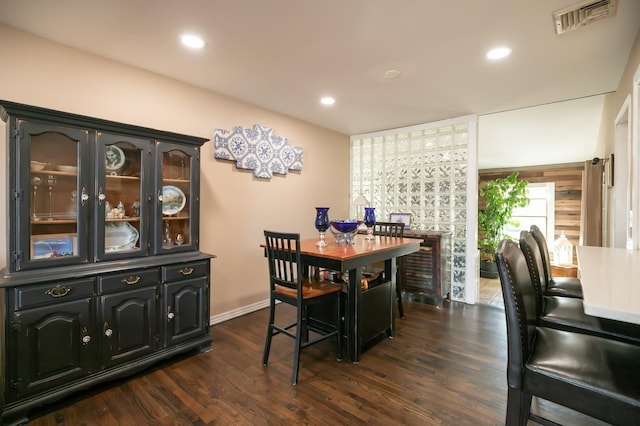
(296, 353)
(518, 407)
(304, 324)
(267, 345)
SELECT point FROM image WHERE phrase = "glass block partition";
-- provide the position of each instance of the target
(424, 170)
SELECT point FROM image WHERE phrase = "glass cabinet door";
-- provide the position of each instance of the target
(177, 191)
(122, 209)
(52, 212)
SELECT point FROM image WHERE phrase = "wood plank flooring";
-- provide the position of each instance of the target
(490, 292)
(444, 367)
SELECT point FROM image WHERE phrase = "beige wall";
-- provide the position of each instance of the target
(236, 207)
(613, 101)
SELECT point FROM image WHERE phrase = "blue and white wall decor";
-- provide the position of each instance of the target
(257, 149)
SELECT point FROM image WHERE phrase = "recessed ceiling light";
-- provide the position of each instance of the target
(192, 41)
(498, 53)
(327, 100)
(391, 74)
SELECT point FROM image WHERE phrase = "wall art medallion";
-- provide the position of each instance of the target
(258, 149)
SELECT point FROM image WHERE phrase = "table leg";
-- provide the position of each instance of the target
(352, 319)
(390, 271)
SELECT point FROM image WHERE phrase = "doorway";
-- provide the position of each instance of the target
(490, 292)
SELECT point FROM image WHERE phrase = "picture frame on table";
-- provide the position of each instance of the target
(404, 218)
(49, 246)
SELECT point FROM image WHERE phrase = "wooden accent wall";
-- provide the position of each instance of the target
(568, 184)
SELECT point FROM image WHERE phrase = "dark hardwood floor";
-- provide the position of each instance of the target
(445, 366)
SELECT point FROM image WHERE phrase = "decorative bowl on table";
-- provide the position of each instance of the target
(344, 230)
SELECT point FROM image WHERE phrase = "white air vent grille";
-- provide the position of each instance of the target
(583, 13)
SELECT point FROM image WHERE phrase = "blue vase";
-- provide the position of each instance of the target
(322, 224)
(370, 220)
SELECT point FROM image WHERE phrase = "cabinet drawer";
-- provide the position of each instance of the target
(185, 270)
(128, 280)
(61, 291)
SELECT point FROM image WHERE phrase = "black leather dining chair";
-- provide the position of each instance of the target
(567, 313)
(556, 286)
(287, 284)
(593, 375)
(392, 229)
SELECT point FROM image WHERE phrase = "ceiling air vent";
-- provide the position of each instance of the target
(583, 13)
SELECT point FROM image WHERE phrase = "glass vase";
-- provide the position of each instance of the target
(370, 220)
(322, 223)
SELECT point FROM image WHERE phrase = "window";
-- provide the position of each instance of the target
(540, 212)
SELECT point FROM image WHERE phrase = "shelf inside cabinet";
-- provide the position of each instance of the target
(44, 220)
(53, 173)
(123, 219)
(123, 177)
(184, 217)
(185, 181)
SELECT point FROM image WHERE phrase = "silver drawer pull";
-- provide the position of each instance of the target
(85, 336)
(84, 197)
(131, 280)
(186, 271)
(107, 330)
(58, 291)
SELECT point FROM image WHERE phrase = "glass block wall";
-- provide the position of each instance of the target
(422, 170)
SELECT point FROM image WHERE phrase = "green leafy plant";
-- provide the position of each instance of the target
(501, 196)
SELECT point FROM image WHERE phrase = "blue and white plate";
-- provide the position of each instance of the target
(173, 200)
(120, 236)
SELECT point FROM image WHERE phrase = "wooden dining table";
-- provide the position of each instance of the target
(368, 312)
(610, 280)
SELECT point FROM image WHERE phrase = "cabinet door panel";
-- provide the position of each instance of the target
(185, 313)
(177, 198)
(123, 210)
(53, 345)
(51, 216)
(129, 325)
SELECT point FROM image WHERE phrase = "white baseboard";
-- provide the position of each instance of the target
(225, 316)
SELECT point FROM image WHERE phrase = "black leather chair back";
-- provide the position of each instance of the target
(520, 308)
(531, 252)
(544, 253)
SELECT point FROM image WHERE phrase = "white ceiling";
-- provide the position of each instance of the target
(284, 55)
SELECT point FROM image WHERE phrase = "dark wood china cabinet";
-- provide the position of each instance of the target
(104, 275)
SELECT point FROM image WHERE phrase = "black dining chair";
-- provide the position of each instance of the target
(593, 375)
(388, 229)
(556, 286)
(288, 284)
(567, 313)
(391, 229)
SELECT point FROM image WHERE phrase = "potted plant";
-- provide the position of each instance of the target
(498, 198)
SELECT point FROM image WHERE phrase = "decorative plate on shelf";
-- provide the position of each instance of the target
(120, 236)
(173, 200)
(114, 158)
